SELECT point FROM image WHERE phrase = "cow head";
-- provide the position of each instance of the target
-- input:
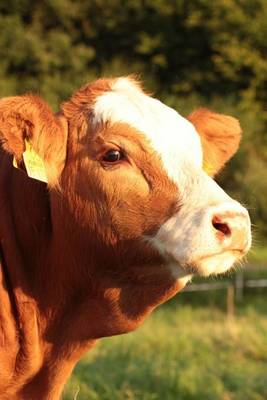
(153, 172)
(136, 187)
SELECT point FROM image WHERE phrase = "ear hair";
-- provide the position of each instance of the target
(29, 117)
(220, 137)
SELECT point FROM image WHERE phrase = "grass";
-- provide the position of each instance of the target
(185, 351)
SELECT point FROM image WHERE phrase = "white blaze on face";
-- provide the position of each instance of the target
(187, 238)
(173, 137)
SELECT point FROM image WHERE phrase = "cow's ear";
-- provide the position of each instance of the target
(28, 119)
(220, 137)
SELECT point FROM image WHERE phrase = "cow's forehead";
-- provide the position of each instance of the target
(173, 137)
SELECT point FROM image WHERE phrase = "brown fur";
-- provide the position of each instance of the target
(73, 268)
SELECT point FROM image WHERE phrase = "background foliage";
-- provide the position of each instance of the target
(188, 52)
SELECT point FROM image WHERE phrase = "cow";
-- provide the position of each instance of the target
(107, 209)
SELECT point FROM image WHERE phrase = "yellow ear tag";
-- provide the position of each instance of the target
(34, 164)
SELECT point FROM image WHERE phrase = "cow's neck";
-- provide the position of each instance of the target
(64, 290)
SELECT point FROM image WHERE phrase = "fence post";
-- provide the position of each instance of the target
(239, 285)
(230, 301)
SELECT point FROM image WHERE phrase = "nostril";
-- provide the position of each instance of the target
(220, 226)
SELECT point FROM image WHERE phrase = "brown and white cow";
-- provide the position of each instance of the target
(127, 217)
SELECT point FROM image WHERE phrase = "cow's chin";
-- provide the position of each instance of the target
(208, 265)
(217, 263)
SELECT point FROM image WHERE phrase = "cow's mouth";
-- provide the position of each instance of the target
(218, 263)
(236, 252)
(210, 264)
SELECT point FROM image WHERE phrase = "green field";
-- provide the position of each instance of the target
(187, 350)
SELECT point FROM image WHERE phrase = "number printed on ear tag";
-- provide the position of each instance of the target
(34, 164)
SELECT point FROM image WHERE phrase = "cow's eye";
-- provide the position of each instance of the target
(112, 156)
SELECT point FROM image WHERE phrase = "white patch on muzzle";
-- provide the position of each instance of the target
(189, 236)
